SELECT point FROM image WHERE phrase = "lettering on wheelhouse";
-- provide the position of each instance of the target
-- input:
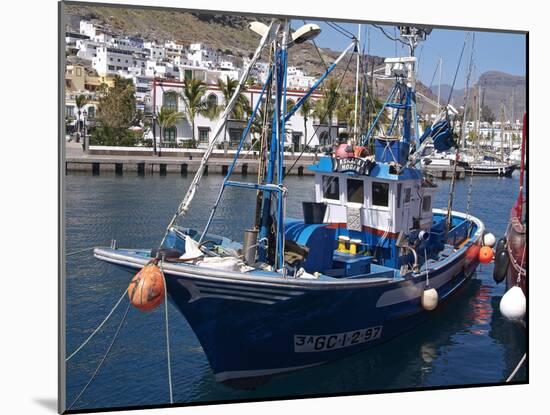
(352, 164)
(304, 343)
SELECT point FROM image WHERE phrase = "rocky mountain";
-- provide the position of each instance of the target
(224, 32)
(497, 88)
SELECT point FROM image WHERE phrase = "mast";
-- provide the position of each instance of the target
(439, 87)
(463, 133)
(512, 123)
(356, 115)
(502, 131)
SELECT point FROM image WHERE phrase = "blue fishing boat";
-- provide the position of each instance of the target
(370, 259)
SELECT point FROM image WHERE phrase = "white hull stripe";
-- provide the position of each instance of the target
(245, 289)
(412, 291)
(210, 290)
(235, 298)
(197, 292)
(239, 374)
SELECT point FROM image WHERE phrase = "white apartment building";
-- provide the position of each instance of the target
(201, 55)
(110, 60)
(296, 78)
(160, 69)
(95, 32)
(154, 51)
(204, 127)
(87, 49)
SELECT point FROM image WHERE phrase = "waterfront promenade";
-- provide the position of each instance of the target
(142, 160)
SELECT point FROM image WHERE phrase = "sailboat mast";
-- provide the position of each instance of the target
(439, 87)
(502, 131)
(356, 114)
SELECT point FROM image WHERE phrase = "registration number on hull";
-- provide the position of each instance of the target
(326, 342)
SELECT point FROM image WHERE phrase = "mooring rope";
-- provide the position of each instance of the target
(79, 252)
(517, 368)
(98, 327)
(104, 356)
(167, 334)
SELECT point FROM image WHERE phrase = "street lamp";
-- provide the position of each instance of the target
(85, 129)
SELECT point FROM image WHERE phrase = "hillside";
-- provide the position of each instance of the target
(496, 88)
(222, 32)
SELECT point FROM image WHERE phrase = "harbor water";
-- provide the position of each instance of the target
(464, 342)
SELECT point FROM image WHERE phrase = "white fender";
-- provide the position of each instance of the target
(513, 304)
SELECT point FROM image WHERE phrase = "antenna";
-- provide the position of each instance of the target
(414, 34)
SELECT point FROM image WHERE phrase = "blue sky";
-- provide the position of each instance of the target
(503, 52)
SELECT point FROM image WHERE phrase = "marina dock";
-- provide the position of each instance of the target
(444, 172)
(143, 161)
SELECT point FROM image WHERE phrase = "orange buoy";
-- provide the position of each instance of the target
(485, 254)
(146, 290)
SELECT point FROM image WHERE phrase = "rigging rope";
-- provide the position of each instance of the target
(167, 333)
(517, 368)
(341, 30)
(323, 117)
(395, 39)
(458, 67)
(318, 51)
(79, 252)
(98, 327)
(104, 357)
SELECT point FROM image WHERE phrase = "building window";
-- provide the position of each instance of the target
(204, 134)
(170, 134)
(380, 194)
(289, 104)
(111, 68)
(323, 139)
(331, 188)
(235, 135)
(170, 100)
(212, 100)
(91, 112)
(426, 203)
(296, 138)
(355, 191)
(78, 71)
(69, 110)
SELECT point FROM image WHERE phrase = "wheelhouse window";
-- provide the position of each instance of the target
(380, 193)
(398, 196)
(407, 195)
(426, 203)
(331, 188)
(355, 191)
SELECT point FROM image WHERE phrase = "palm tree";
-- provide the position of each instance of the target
(241, 107)
(346, 112)
(195, 104)
(80, 101)
(167, 118)
(305, 111)
(326, 106)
